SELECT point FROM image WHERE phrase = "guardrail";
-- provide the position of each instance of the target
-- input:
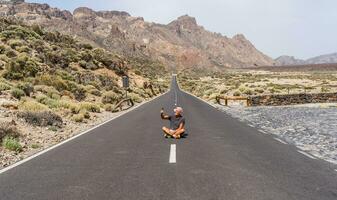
(119, 106)
(232, 98)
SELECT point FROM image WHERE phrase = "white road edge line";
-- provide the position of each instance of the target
(264, 132)
(306, 154)
(74, 137)
(173, 154)
(283, 142)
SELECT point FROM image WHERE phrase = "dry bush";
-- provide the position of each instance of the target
(8, 129)
(42, 118)
(32, 106)
(110, 98)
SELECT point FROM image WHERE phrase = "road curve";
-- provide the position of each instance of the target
(128, 158)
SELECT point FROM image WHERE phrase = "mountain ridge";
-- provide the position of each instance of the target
(180, 44)
(291, 60)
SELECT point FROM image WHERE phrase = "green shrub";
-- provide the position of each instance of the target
(54, 81)
(42, 118)
(4, 87)
(2, 49)
(248, 91)
(8, 129)
(26, 87)
(15, 43)
(323, 89)
(259, 90)
(110, 98)
(237, 93)
(23, 49)
(135, 97)
(78, 118)
(21, 67)
(17, 93)
(32, 106)
(108, 107)
(12, 144)
(10, 53)
(91, 107)
(35, 146)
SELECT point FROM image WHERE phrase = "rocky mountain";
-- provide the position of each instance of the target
(328, 58)
(180, 44)
(290, 60)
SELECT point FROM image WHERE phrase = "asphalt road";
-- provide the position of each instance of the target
(128, 158)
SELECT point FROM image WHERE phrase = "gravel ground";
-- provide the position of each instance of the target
(312, 128)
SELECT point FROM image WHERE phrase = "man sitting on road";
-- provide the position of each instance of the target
(177, 123)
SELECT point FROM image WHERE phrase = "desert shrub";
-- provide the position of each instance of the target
(26, 87)
(19, 32)
(4, 87)
(108, 107)
(35, 146)
(41, 118)
(110, 98)
(95, 92)
(54, 103)
(12, 144)
(85, 113)
(32, 106)
(8, 129)
(55, 81)
(21, 67)
(23, 49)
(223, 91)
(75, 108)
(272, 90)
(79, 93)
(91, 107)
(10, 53)
(15, 43)
(237, 93)
(242, 89)
(248, 92)
(135, 97)
(2, 49)
(78, 118)
(17, 93)
(259, 90)
(323, 89)
(86, 46)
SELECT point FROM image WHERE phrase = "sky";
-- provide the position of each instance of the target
(300, 28)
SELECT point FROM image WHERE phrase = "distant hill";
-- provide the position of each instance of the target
(290, 60)
(182, 43)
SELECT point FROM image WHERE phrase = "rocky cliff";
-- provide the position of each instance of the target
(181, 43)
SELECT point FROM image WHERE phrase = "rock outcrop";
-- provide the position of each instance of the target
(180, 44)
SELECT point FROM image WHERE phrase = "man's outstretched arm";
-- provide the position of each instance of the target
(163, 115)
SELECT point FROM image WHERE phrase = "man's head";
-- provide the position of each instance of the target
(178, 111)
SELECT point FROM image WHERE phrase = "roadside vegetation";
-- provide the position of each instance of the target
(51, 80)
(247, 83)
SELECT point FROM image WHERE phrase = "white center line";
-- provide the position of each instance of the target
(172, 154)
(283, 142)
(306, 154)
